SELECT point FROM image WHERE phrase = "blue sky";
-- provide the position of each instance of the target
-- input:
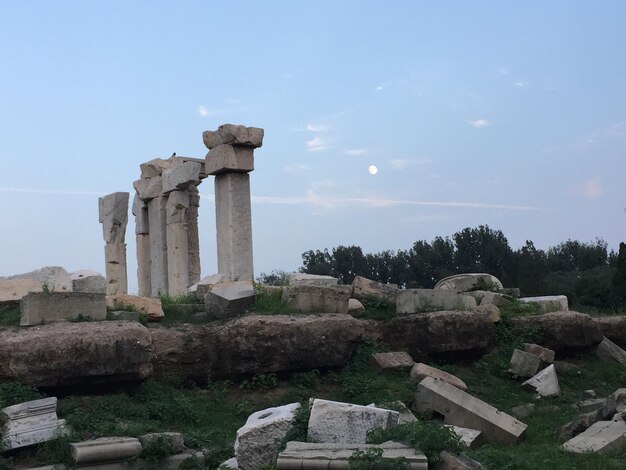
(511, 114)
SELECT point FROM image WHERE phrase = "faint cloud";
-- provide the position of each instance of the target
(205, 111)
(593, 188)
(380, 87)
(316, 144)
(12, 189)
(503, 71)
(316, 127)
(479, 123)
(614, 131)
(521, 84)
(295, 168)
(400, 163)
(356, 152)
(327, 183)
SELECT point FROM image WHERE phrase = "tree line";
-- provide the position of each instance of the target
(588, 273)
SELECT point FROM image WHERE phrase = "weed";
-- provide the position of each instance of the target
(378, 308)
(275, 278)
(81, 318)
(270, 301)
(184, 299)
(12, 393)
(372, 459)
(519, 309)
(259, 382)
(427, 436)
(10, 316)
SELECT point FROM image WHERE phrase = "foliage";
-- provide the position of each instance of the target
(270, 301)
(618, 283)
(12, 393)
(515, 308)
(276, 278)
(378, 308)
(259, 382)
(372, 459)
(427, 436)
(183, 299)
(9, 316)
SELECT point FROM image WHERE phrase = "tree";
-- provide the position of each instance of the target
(316, 262)
(348, 262)
(619, 278)
(531, 269)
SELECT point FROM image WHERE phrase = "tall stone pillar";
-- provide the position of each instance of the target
(113, 212)
(142, 236)
(158, 246)
(230, 159)
(192, 233)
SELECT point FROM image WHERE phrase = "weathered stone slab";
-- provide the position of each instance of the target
(229, 158)
(258, 440)
(310, 455)
(405, 414)
(204, 285)
(468, 281)
(545, 354)
(524, 364)
(450, 461)
(545, 382)
(49, 307)
(486, 297)
(229, 298)
(431, 300)
(181, 176)
(607, 350)
(233, 135)
(583, 421)
(145, 305)
(104, 450)
(603, 437)
(31, 423)
(548, 303)
(317, 299)
(49, 278)
(391, 361)
(592, 404)
(230, 463)
(113, 210)
(421, 371)
(462, 409)
(363, 288)
(337, 422)
(355, 308)
(490, 309)
(154, 167)
(303, 279)
(88, 281)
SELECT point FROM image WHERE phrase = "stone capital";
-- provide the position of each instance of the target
(228, 159)
(235, 135)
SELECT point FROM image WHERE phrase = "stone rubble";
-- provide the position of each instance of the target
(421, 371)
(30, 423)
(545, 382)
(391, 361)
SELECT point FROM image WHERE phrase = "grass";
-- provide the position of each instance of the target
(9, 316)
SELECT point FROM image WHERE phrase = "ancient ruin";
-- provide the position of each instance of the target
(113, 210)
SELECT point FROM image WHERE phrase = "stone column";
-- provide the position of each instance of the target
(158, 246)
(113, 211)
(230, 159)
(192, 233)
(142, 236)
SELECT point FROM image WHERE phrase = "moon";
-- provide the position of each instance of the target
(372, 169)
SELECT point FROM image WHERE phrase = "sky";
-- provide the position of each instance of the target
(510, 114)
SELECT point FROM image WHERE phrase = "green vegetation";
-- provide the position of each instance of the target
(377, 308)
(371, 459)
(9, 316)
(269, 300)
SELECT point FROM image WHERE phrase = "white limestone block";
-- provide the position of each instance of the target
(297, 279)
(546, 382)
(469, 437)
(113, 209)
(257, 441)
(180, 176)
(548, 303)
(105, 450)
(431, 300)
(603, 436)
(337, 422)
(420, 371)
(88, 281)
(31, 423)
(149, 188)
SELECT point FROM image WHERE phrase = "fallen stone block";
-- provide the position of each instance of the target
(545, 354)
(50, 279)
(48, 307)
(230, 463)
(421, 371)
(583, 421)
(431, 300)
(524, 364)
(30, 423)
(469, 437)
(469, 281)
(405, 415)
(302, 279)
(229, 298)
(459, 408)
(337, 422)
(548, 303)
(205, 284)
(486, 297)
(145, 305)
(545, 383)
(617, 400)
(258, 440)
(590, 405)
(491, 310)
(603, 436)
(523, 411)
(166, 442)
(316, 299)
(355, 308)
(391, 361)
(450, 461)
(104, 450)
(310, 455)
(90, 282)
(363, 288)
(607, 350)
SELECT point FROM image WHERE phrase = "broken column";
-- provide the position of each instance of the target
(230, 159)
(113, 210)
(166, 214)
